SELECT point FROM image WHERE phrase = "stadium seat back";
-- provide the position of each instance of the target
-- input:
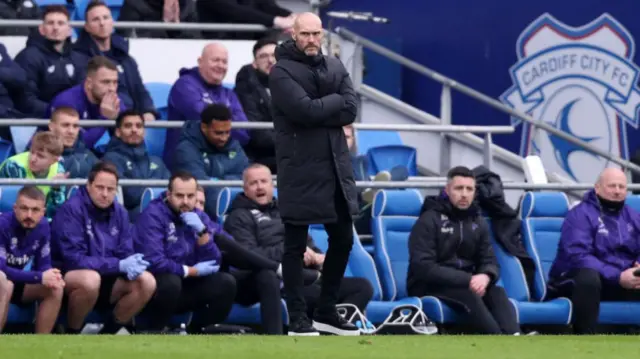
(6, 150)
(113, 5)
(633, 201)
(367, 139)
(512, 276)
(394, 214)
(384, 158)
(149, 194)
(159, 92)
(542, 215)
(154, 139)
(8, 196)
(360, 262)
(21, 136)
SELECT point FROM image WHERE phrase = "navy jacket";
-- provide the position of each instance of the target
(84, 236)
(168, 243)
(49, 71)
(19, 247)
(134, 163)
(204, 161)
(78, 160)
(17, 98)
(131, 89)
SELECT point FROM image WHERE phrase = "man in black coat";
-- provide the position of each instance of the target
(451, 258)
(312, 99)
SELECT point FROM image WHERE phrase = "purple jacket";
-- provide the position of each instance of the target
(169, 244)
(592, 239)
(19, 247)
(189, 96)
(86, 237)
(77, 99)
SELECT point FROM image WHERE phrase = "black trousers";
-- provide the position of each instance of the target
(489, 314)
(587, 289)
(295, 243)
(264, 287)
(139, 10)
(209, 298)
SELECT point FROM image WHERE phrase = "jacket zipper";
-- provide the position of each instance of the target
(459, 244)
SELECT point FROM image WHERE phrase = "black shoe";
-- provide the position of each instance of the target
(335, 324)
(302, 327)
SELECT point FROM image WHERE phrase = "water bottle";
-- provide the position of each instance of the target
(183, 329)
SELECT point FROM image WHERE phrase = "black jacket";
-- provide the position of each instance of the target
(252, 88)
(447, 246)
(312, 99)
(259, 228)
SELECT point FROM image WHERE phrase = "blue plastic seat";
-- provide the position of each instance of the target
(113, 5)
(155, 137)
(394, 214)
(149, 194)
(542, 214)
(6, 150)
(384, 158)
(361, 265)
(225, 198)
(72, 190)
(367, 139)
(8, 196)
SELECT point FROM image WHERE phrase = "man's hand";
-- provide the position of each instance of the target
(479, 283)
(628, 280)
(171, 11)
(110, 106)
(52, 279)
(283, 23)
(148, 116)
(318, 259)
(60, 176)
(309, 257)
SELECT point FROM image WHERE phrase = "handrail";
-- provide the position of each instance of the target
(150, 25)
(359, 184)
(269, 125)
(450, 83)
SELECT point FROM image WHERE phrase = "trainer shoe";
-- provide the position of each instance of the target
(335, 324)
(302, 328)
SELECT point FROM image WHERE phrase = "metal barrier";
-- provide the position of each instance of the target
(150, 25)
(360, 184)
(448, 84)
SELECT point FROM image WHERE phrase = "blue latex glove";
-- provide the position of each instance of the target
(206, 268)
(133, 265)
(192, 220)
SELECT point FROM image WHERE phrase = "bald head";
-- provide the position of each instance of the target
(258, 184)
(612, 185)
(213, 63)
(307, 32)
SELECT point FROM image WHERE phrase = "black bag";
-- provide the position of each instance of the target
(407, 319)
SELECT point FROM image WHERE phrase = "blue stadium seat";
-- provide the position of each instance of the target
(225, 198)
(113, 5)
(71, 191)
(149, 194)
(6, 150)
(362, 265)
(633, 201)
(384, 158)
(8, 196)
(155, 137)
(21, 136)
(101, 145)
(542, 214)
(394, 214)
(366, 139)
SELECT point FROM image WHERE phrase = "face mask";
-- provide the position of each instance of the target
(611, 206)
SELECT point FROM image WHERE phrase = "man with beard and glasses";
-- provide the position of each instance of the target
(599, 252)
(95, 98)
(128, 152)
(252, 88)
(48, 61)
(24, 240)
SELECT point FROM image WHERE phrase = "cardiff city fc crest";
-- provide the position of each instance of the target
(581, 80)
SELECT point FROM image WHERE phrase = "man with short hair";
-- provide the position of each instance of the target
(48, 61)
(77, 159)
(24, 241)
(207, 151)
(92, 241)
(95, 98)
(599, 252)
(198, 88)
(451, 258)
(128, 152)
(179, 243)
(252, 88)
(98, 39)
(254, 221)
(40, 162)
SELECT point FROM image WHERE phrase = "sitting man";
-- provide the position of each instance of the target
(77, 159)
(599, 252)
(40, 162)
(451, 258)
(254, 221)
(179, 243)
(207, 151)
(200, 198)
(128, 152)
(91, 238)
(24, 241)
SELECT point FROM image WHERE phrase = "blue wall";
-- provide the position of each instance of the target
(474, 42)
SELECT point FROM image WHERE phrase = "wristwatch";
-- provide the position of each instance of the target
(203, 232)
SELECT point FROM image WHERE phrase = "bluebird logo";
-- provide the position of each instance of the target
(582, 81)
